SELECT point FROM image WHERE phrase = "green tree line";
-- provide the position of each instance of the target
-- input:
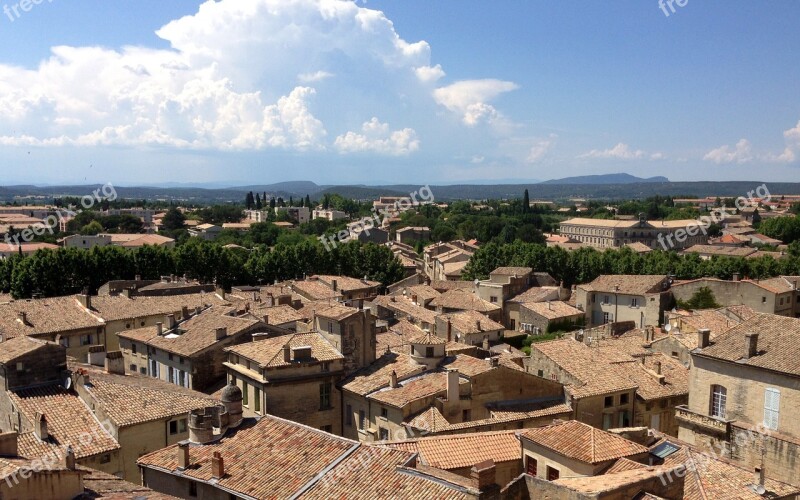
(65, 271)
(585, 264)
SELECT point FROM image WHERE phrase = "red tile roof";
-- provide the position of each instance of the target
(582, 442)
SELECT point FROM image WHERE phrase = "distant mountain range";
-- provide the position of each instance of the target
(605, 179)
(592, 187)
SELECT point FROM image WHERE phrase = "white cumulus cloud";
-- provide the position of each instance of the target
(377, 137)
(741, 153)
(470, 99)
(540, 149)
(621, 151)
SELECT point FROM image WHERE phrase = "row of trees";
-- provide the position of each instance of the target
(257, 202)
(585, 264)
(69, 270)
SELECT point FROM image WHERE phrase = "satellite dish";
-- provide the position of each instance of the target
(68, 382)
(667, 327)
(760, 489)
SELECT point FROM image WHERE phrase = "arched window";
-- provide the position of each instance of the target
(719, 398)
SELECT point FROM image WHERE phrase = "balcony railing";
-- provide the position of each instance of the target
(704, 422)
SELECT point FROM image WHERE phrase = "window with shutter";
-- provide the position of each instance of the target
(772, 405)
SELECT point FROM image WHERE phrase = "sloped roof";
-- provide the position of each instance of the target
(269, 352)
(626, 284)
(582, 442)
(458, 451)
(464, 300)
(778, 344)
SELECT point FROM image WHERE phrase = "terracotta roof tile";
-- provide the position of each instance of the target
(552, 309)
(377, 374)
(194, 334)
(132, 399)
(582, 442)
(14, 348)
(472, 322)
(778, 343)
(276, 458)
(269, 352)
(46, 316)
(464, 300)
(69, 420)
(626, 284)
(463, 450)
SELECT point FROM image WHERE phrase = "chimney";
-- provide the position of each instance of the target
(484, 475)
(198, 310)
(183, 455)
(138, 277)
(160, 328)
(485, 343)
(287, 354)
(453, 393)
(393, 380)
(170, 321)
(115, 363)
(449, 330)
(703, 338)
(85, 299)
(184, 312)
(751, 344)
(9, 444)
(126, 293)
(335, 285)
(735, 277)
(217, 466)
(222, 332)
(266, 319)
(69, 458)
(40, 427)
(658, 367)
(23, 316)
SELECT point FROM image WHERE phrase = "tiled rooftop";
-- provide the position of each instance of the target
(552, 309)
(14, 348)
(346, 283)
(403, 308)
(626, 284)
(195, 334)
(464, 300)
(472, 322)
(778, 344)
(119, 307)
(591, 366)
(270, 459)
(377, 374)
(132, 399)
(46, 316)
(536, 294)
(268, 353)
(582, 442)
(69, 420)
(463, 450)
(423, 386)
(329, 309)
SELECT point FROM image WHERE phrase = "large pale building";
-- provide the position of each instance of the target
(662, 235)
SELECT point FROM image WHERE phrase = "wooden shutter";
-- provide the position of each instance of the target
(772, 405)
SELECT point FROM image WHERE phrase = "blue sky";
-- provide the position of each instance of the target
(390, 91)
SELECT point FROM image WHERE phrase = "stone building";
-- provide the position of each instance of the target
(618, 298)
(291, 376)
(189, 353)
(773, 296)
(661, 234)
(745, 392)
(387, 399)
(349, 330)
